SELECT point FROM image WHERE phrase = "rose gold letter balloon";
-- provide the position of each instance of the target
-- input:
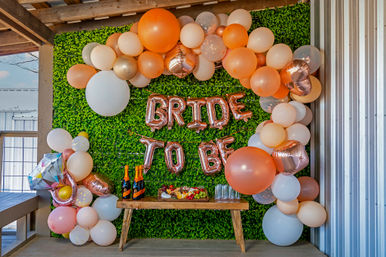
(151, 145)
(236, 107)
(250, 170)
(225, 151)
(290, 157)
(197, 123)
(98, 184)
(177, 106)
(309, 189)
(265, 81)
(180, 61)
(295, 76)
(208, 153)
(161, 111)
(211, 108)
(180, 156)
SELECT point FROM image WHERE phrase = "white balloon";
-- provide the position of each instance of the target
(192, 35)
(268, 103)
(87, 217)
(265, 197)
(139, 80)
(59, 139)
(106, 207)
(285, 187)
(281, 229)
(204, 69)
(83, 197)
(240, 16)
(86, 52)
(308, 118)
(80, 144)
(79, 235)
(80, 165)
(106, 94)
(103, 233)
(300, 110)
(255, 141)
(284, 114)
(298, 132)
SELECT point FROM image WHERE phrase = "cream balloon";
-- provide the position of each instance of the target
(261, 125)
(86, 52)
(192, 35)
(103, 233)
(284, 114)
(130, 44)
(87, 217)
(59, 139)
(316, 90)
(106, 94)
(288, 208)
(222, 19)
(79, 235)
(185, 19)
(103, 57)
(272, 135)
(79, 165)
(261, 40)
(83, 196)
(204, 69)
(299, 132)
(279, 56)
(312, 214)
(240, 16)
(308, 118)
(300, 110)
(139, 80)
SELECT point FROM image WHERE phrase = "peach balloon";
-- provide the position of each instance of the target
(79, 74)
(240, 16)
(87, 217)
(312, 214)
(272, 135)
(284, 114)
(260, 60)
(265, 81)
(134, 28)
(234, 36)
(112, 41)
(250, 170)
(159, 30)
(240, 62)
(204, 69)
(103, 57)
(288, 208)
(192, 35)
(139, 80)
(309, 189)
(245, 82)
(316, 90)
(151, 64)
(130, 44)
(220, 30)
(261, 40)
(299, 132)
(281, 92)
(279, 56)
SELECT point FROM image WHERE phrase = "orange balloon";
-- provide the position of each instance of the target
(151, 64)
(250, 170)
(309, 189)
(112, 41)
(234, 36)
(134, 27)
(245, 82)
(281, 92)
(79, 75)
(159, 30)
(265, 81)
(260, 59)
(240, 62)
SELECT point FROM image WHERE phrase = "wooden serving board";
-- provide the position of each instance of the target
(206, 199)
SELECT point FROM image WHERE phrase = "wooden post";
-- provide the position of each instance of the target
(44, 126)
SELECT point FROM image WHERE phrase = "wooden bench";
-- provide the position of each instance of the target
(152, 203)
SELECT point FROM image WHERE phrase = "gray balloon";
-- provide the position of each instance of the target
(267, 103)
(87, 51)
(265, 197)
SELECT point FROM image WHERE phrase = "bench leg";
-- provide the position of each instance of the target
(125, 227)
(238, 228)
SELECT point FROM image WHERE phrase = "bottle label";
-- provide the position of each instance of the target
(138, 193)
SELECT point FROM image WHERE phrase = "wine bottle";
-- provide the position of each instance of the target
(126, 187)
(136, 189)
(141, 181)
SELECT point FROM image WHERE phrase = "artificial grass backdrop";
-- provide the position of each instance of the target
(112, 145)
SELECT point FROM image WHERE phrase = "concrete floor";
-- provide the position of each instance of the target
(42, 246)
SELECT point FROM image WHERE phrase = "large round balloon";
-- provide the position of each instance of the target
(79, 235)
(62, 219)
(59, 139)
(284, 114)
(79, 74)
(281, 229)
(312, 214)
(79, 165)
(159, 30)
(106, 207)
(106, 94)
(240, 62)
(103, 233)
(250, 170)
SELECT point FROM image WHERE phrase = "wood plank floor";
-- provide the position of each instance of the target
(42, 246)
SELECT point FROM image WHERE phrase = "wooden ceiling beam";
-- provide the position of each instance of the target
(223, 7)
(9, 38)
(17, 49)
(34, 1)
(69, 2)
(24, 23)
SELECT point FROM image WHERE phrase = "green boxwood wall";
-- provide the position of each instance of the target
(112, 146)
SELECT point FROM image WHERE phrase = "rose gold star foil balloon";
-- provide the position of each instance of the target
(295, 76)
(290, 157)
(97, 184)
(180, 61)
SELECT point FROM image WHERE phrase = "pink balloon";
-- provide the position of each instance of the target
(67, 153)
(62, 219)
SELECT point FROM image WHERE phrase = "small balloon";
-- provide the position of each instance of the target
(185, 19)
(83, 197)
(197, 124)
(220, 31)
(79, 235)
(152, 111)
(312, 214)
(268, 103)
(62, 219)
(281, 92)
(86, 52)
(272, 135)
(213, 48)
(261, 60)
(129, 44)
(265, 81)
(204, 69)
(106, 207)
(64, 192)
(59, 139)
(234, 36)
(150, 64)
(79, 75)
(192, 35)
(240, 16)
(311, 55)
(255, 141)
(298, 132)
(80, 143)
(98, 184)
(134, 28)
(316, 90)
(309, 189)
(139, 80)
(112, 41)
(103, 233)
(209, 158)
(87, 217)
(295, 76)
(284, 114)
(236, 106)
(177, 167)
(208, 21)
(67, 153)
(103, 57)
(225, 151)
(180, 61)
(125, 67)
(222, 19)
(151, 145)
(285, 187)
(290, 157)
(300, 110)
(265, 197)
(308, 117)
(260, 40)
(279, 56)
(240, 62)
(288, 208)
(177, 106)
